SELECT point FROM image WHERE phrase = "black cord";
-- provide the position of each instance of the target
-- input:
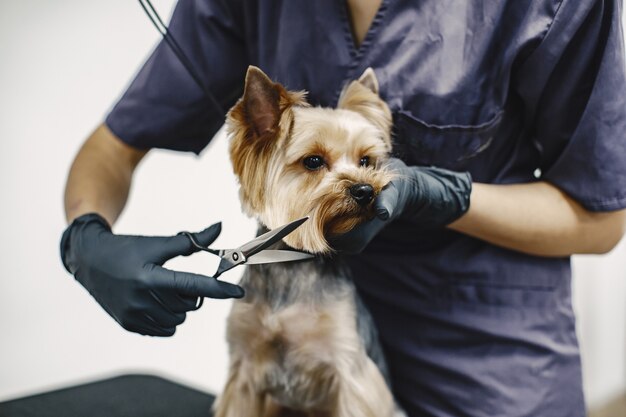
(162, 28)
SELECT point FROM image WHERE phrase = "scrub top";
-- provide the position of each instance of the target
(512, 91)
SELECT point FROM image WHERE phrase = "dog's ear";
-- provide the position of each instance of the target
(369, 80)
(261, 103)
(361, 96)
(256, 125)
(264, 102)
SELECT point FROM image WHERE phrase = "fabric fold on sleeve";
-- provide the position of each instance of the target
(164, 107)
(574, 91)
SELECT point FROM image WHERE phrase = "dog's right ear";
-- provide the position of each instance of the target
(260, 109)
(256, 124)
(260, 103)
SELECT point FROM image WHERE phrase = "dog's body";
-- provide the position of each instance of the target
(301, 342)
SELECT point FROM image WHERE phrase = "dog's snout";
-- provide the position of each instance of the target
(362, 193)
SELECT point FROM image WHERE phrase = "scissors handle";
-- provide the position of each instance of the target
(228, 258)
(195, 243)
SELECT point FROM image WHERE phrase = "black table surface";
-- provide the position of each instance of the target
(122, 396)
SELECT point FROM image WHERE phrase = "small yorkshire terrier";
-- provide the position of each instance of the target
(301, 342)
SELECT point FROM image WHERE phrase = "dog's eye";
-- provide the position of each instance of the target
(314, 162)
(365, 161)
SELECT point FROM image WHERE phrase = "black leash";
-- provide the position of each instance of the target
(162, 28)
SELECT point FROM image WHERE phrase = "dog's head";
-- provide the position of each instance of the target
(293, 160)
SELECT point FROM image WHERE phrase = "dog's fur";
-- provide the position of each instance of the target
(301, 342)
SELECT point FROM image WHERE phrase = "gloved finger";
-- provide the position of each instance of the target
(194, 285)
(394, 164)
(357, 239)
(208, 235)
(386, 201)
(147, 327)
(170, 247)
(162, 316)
(156, 331)
(174, 302)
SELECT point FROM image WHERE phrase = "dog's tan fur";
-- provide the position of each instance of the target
(305, 356)
(316, 345)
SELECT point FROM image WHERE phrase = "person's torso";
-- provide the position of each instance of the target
(447, 70)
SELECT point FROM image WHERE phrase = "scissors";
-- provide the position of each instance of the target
(255, 251)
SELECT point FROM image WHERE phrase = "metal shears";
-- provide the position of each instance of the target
(255, 251)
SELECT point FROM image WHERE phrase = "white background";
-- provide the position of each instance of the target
(63, 64)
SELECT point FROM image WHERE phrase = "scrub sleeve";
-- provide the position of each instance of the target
(574, 89)
(163, 107)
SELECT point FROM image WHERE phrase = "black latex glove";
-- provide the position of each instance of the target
(425, 196)
(125, 274)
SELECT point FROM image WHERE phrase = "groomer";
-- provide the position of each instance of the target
(521, 106)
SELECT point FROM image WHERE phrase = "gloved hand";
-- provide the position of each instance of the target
(426, 196)
(125, 274)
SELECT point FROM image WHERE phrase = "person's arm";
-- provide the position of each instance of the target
(100, 177)
(125, 274)
(538, 219)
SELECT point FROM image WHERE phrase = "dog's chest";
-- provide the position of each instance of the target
(294, 328)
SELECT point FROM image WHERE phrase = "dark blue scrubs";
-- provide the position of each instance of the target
(511, 91)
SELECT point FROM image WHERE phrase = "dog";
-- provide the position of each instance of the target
(301, 342)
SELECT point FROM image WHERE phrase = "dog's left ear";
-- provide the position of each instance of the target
(361, 96)
(369, 80)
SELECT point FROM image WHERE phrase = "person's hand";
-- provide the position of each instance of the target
(125, 274)
(426, 196)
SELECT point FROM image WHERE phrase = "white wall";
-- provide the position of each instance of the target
(599, 300)
(63, 64)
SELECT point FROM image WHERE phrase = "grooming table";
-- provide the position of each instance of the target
(123, 396)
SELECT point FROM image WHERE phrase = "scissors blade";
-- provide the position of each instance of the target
(272, 256)
(267, 239)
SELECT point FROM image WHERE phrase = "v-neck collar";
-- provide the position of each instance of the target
(358, 51)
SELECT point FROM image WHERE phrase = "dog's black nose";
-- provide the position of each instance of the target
(362, 193)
